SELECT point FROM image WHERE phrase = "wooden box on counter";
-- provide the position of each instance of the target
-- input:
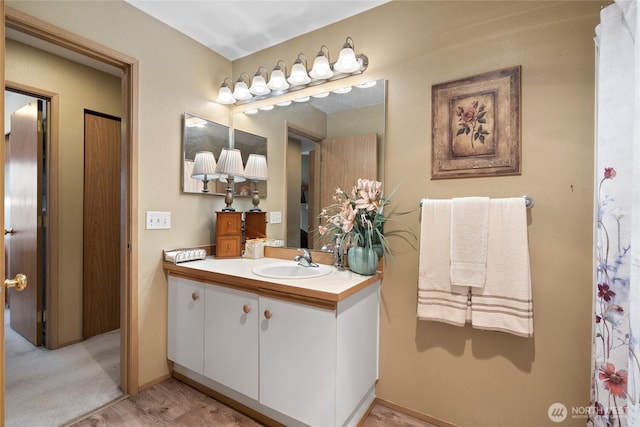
(228, 234)
(255, 224)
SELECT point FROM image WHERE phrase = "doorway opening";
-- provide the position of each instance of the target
(40, 31)
(302, 159)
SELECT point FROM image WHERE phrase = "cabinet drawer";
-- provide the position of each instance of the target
(229, 223)
(228, 246)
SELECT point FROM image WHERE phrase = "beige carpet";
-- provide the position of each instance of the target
(51, 387)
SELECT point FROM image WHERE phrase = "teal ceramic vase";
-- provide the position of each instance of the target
(362, 260)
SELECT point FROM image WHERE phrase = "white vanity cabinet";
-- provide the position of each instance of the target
(231, 338)
(296, 359)
(185, 337)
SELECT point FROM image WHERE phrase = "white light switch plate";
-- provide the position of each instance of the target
(275, 217)
(158, 220)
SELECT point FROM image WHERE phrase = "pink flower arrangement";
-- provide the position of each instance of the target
(358, 216)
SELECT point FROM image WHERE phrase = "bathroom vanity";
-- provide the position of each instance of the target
(287, 351)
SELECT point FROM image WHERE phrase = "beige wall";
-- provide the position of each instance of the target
(465, 376)
(78, 87)
(462, 375)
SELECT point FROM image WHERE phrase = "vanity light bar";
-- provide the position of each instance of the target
(261, 86)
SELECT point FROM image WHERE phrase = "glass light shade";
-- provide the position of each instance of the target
(278, 80)
(241, 92)
(225, 96)
(347, 62)
(204, 166)
(256, 168)
(367, 85)
(321, 68)
(298, 75)
(259, 86)
(230, 163)
(343, 90)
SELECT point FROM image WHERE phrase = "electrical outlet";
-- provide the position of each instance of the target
(275, 217)
(158, 220)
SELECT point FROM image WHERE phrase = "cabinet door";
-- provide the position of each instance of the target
(298, 360)
(186, 323)
(231, 339)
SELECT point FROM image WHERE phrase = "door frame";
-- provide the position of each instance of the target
(129, 230)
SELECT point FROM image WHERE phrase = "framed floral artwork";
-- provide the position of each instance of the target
(476, 126)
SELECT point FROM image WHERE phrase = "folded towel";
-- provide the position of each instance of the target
(435, 299)
(469, 230)
(504, 303)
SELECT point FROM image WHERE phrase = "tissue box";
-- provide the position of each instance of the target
(254, 249)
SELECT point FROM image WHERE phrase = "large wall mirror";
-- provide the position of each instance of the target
(200, 134)
(328, 141)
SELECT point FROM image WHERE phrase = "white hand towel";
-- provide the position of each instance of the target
(505, 303)
(435, 299)
(469, 230)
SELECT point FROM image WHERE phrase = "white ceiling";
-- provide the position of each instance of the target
(237, 28)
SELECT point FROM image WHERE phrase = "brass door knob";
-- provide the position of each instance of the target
(20, 282)
(246, 308)
(267, 314)
(195, 296)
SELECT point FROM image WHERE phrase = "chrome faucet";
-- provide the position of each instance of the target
(305, 259)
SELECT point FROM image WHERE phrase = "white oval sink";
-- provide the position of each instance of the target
(290, 270)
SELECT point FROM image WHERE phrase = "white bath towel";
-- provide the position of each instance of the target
(469, 230)
(435, 299)
(505, 303)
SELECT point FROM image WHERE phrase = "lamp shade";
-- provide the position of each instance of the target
(277, 81)
(259, 86)
(321, 68)
(230, 163)
(256, 168)
(204, 166)
(241, 91)
(225, 96)
(347, 61)
(298, 75)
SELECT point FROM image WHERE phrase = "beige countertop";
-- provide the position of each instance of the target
(324, 291)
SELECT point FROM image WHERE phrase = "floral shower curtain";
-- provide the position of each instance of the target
(616, 331)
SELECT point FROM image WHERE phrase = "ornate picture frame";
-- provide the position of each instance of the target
(476, 126)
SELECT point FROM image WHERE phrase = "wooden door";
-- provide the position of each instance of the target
(101, 224)
(24, 195)
(344, 160)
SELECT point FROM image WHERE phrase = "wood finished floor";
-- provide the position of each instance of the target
(172, 403)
